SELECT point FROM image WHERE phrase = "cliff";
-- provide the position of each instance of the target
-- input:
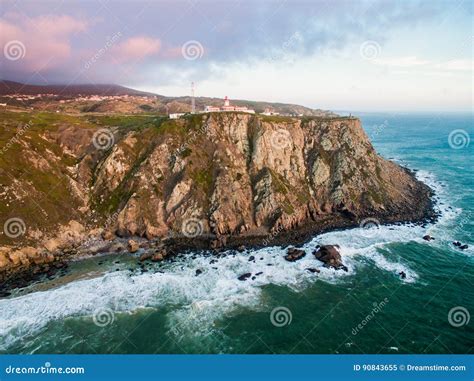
(205, 180)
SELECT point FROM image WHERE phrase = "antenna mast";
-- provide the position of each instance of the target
(193, 100)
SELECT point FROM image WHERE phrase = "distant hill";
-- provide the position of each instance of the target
(10, 87)
(139, 101)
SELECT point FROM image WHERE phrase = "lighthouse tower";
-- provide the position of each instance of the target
(226, 102)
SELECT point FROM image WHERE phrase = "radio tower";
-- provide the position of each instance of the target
(193, 101)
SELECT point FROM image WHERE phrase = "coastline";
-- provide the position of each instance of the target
(423, 214)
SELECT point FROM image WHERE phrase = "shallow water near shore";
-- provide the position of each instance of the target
(109, 304)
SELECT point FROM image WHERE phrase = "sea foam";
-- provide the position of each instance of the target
(201, 300)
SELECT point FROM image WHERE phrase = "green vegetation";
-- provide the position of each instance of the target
(193, 121)
(277, 119)
(92, 107)
(33, 170)
(130, 122)
(203, 178)
(186, 152)
(146, 107)
(280, 184)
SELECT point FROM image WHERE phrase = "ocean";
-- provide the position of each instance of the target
(106, 304)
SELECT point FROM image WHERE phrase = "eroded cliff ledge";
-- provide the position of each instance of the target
(224, 177)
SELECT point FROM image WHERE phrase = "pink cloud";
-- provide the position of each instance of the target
(44, 39)
(136, 48)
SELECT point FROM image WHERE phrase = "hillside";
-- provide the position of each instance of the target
(10, 88)
(120, 100)
(210, 180)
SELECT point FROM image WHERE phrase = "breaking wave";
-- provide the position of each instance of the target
(200, 300)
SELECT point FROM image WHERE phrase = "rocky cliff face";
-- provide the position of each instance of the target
(202, 178)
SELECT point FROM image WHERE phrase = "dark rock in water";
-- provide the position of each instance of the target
(198, 272)
(428, 237)
(253, 278)
(251, 258)
(259, 273)
(329, 255)
(244, 276)
(4, 294)
(402, 274)
(144, 270)
(464, 247)
(213, 261)
(457, 243)
(117, 262)
(269, 264)
(261, 258)
(313, 270)
(294, 254)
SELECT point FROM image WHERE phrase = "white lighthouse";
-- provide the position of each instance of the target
(228, 107)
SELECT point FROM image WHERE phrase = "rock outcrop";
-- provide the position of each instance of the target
(207, 180)
(294, 254)
(329, 255)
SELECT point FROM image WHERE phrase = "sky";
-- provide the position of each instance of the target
(364, 55)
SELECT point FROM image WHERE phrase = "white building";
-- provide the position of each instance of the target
(176, 115)
(212, 109)
(270, 112)
(228, 107)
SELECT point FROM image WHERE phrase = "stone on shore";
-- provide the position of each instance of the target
(107, 235)
(244, 276)
(133, 246)
(294, 254)
(329, 255)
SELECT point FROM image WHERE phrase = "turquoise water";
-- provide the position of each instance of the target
(108, 305)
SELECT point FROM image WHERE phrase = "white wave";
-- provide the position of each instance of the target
(214, 293)
(198, 301)
(451, 219)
